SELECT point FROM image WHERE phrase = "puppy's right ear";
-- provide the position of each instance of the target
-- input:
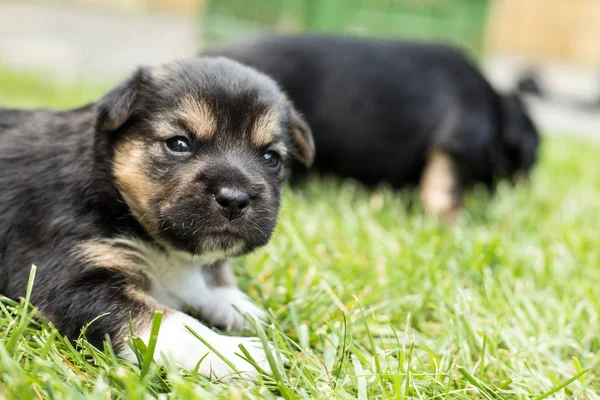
(304, 144)
(115, 107)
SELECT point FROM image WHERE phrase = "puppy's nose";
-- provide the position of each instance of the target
(233, 202)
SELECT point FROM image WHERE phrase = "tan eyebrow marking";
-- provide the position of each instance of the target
(265, 128)
(198, 116)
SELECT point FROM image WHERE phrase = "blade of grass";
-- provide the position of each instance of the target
(149, 354)
(483, 350)
(29, 290)
(483, 389)
(268, 348)
(361, 381)
(563, 385)
(213, 349)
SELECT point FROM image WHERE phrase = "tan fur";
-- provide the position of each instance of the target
(144, 301)
(198, 116)
(145, 197)
(101, 254)
(439, 189)
(133, 183)
(178, 186)
(164, 129)
(265, 128)
(305, 146)
(106, 255)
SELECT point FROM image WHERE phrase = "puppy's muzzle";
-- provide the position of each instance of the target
(232, 202)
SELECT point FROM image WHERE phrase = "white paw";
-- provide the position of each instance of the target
(229, 308)
(215, 367)
(177, 344)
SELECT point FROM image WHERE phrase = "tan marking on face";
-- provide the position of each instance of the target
(439, 188)
(281, 148)
(179, 185)
(133, 183)
(165, 129)
(198, 116)
(265, 128)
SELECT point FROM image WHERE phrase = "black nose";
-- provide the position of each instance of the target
(232, 202)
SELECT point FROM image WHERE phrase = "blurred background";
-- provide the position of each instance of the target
(547, 45)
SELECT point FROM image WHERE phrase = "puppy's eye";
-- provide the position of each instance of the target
(178, 144)
(272, 160)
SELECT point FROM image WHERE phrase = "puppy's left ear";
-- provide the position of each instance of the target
(115, 107)
(304, 144)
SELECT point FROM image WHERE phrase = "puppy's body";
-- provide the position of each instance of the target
(133, 204)
(381, 109)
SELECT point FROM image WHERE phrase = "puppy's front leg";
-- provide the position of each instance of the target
(109, 282)
(440, 189)
(175, 342)
(226, 305)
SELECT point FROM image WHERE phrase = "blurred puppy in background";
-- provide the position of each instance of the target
(396, 112)
(134, 204)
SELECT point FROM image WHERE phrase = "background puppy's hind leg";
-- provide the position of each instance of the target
(440, 189)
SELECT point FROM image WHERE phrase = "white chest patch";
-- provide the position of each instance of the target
(177, 278)
(179, 281)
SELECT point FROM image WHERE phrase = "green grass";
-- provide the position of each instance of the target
(371, 300)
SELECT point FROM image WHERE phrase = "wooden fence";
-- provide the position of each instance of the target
(546, 30)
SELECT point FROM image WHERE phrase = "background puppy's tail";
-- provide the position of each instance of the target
(529, 83)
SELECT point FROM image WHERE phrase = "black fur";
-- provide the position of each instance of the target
(377, 107)
(59, 187)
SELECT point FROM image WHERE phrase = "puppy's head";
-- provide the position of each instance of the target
(200, 151)
(519, 140)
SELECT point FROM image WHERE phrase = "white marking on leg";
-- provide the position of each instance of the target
(178, 280)
(439, 186)
(228, 309)
(176, 343)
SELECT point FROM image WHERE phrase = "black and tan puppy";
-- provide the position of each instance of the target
(133, 204)
(400, 112)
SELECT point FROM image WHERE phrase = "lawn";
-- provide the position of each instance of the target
(370, 299)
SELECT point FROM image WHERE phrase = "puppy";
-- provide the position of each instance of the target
(134, 204)
(398, 112)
